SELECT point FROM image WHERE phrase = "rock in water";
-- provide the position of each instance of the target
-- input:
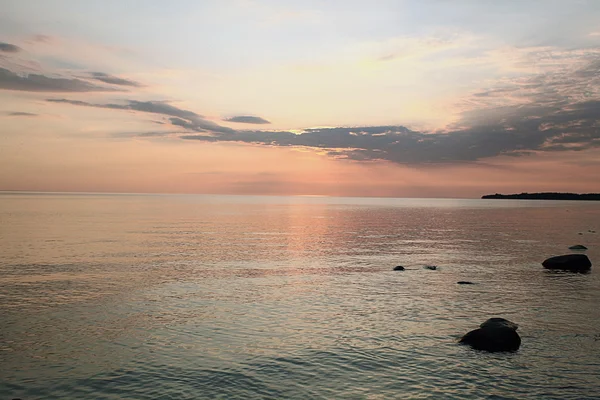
(499, 322)
(431, 267)
(465, 283)
(578, 247)
(494, 335)
(399, 268)
(569, 262)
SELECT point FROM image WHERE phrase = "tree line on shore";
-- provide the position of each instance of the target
(545, 196)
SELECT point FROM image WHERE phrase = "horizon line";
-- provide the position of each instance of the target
(47, 192)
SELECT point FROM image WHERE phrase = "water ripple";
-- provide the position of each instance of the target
(152, 298)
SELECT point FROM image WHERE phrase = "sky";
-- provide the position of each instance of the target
(429, 98)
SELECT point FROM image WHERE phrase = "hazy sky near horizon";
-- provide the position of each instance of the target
(381, 98)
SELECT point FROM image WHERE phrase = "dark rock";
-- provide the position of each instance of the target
(399, 268)
(494, 335)
(496, 321)
(431, 267)
(578, 247)
(465, 283)
(569, 262)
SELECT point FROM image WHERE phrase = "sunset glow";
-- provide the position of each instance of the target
(399, 99)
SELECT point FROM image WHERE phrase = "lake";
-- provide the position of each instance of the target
(251, 297)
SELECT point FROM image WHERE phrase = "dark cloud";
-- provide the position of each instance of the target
(392, 143)
(114, 80)
(247, 119)
(9, 48)
(186, 124)
(184, 118)
(509, 131)
(41, 83)
(21, 114)
(557, 110)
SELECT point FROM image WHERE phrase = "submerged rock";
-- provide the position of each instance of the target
(465, 283)
(399, 268)
(431, 267)
(569, 262)
(578, 247)
(494, 335)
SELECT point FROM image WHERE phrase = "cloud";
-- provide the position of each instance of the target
(550, 108)
(187, 119)
(391, 143)
(186, 124)
(550, 123)
(21, 114)
(561, 77)
(509, 131)
(9, 48)
(517, 136)
(555, 110)
(41, 83)
(114, 80)
(247, 119)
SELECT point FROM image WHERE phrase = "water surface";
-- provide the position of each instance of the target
(174, 297)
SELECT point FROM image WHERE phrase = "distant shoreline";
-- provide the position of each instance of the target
(545, 196)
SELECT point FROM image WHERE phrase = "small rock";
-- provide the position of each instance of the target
(578, 247)
(465, 283)
(494, 335)
(431, 267)
(569, 262)
(399, 268)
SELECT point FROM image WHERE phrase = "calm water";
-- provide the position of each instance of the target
(177, 297)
